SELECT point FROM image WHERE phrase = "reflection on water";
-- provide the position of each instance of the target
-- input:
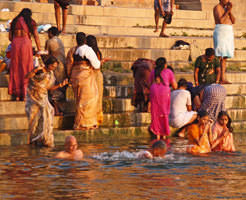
(110, 171)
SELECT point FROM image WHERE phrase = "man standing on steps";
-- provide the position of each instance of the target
(64, 4)
(165, 8)
(223, 35)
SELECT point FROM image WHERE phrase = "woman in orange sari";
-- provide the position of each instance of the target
(199, 134)
(21, 61)
(81, 62)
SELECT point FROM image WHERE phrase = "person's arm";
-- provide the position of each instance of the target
(196, 71)
(196, 76)
(69, 62)
(174, 84)
(188, 103)
(232, 18)
(60, 85)
(217, 68)
(197, 102)
(161, 8)
(36, 38)
(220, 14)
(33, 72)
(201, 95)
(172, 5)
(92, 57)
(10, 36)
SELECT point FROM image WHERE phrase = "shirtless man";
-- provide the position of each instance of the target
(71, 152)
(223, 34)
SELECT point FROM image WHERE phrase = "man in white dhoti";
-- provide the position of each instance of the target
(223, 34)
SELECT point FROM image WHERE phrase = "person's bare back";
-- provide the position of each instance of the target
(71, 152)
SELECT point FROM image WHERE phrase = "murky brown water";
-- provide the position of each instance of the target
(28, 173)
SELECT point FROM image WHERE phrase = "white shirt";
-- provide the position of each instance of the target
(86, 51)
(179, 100)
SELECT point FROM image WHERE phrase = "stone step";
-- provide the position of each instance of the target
(106, 20)
(114, 11)
(139, 42)
(127, 119)
(110, 105)
(126, 91)
(20, 137)
(126, 79)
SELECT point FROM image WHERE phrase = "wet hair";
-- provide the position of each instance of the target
(54, 31)
(159, 145)
(91, 41)
(160, 64)
(228, 125)
(182, 83)
(26, 13)
(202, 113)
(50, 60)
(209, 52)
(80, 38)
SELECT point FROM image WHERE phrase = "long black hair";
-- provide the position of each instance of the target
(50, 60)
(26, 13)
(160, 64)
(91, 41)
(228, 125)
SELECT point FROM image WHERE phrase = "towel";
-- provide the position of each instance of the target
(224, 40)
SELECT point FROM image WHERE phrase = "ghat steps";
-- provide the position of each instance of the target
(124, 34)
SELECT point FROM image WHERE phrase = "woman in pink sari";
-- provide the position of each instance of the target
(22, 27)
(160, 94)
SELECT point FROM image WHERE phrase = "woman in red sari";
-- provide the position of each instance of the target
(22, 27)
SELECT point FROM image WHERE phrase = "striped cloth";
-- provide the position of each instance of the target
(166, 4)
(213, 100)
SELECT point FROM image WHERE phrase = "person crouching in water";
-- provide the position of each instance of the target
(199, 134)
(158, 149)
(71, 152)
(222, 139)
(39, 111)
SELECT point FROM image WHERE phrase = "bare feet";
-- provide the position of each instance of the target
(163, 35)
(225, 82)
(156, 30)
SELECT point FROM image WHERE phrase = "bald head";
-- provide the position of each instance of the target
(70, 138)
(70, 144)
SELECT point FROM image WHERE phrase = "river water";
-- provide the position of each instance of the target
(110, 170)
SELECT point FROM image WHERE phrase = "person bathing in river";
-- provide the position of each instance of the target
(199, 134)
(71, 152)
(158, 149)
(222, 138)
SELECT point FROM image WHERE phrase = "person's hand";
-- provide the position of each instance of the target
(38, 68)
(65, 82)
(163, 13)
(171, 12)
(106, 60)
(229, 7)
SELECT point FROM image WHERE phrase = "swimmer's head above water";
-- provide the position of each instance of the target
(159, 148)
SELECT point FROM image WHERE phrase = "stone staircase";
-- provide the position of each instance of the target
(124, 34)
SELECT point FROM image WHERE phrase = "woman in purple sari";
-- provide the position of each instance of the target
(160, 93)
